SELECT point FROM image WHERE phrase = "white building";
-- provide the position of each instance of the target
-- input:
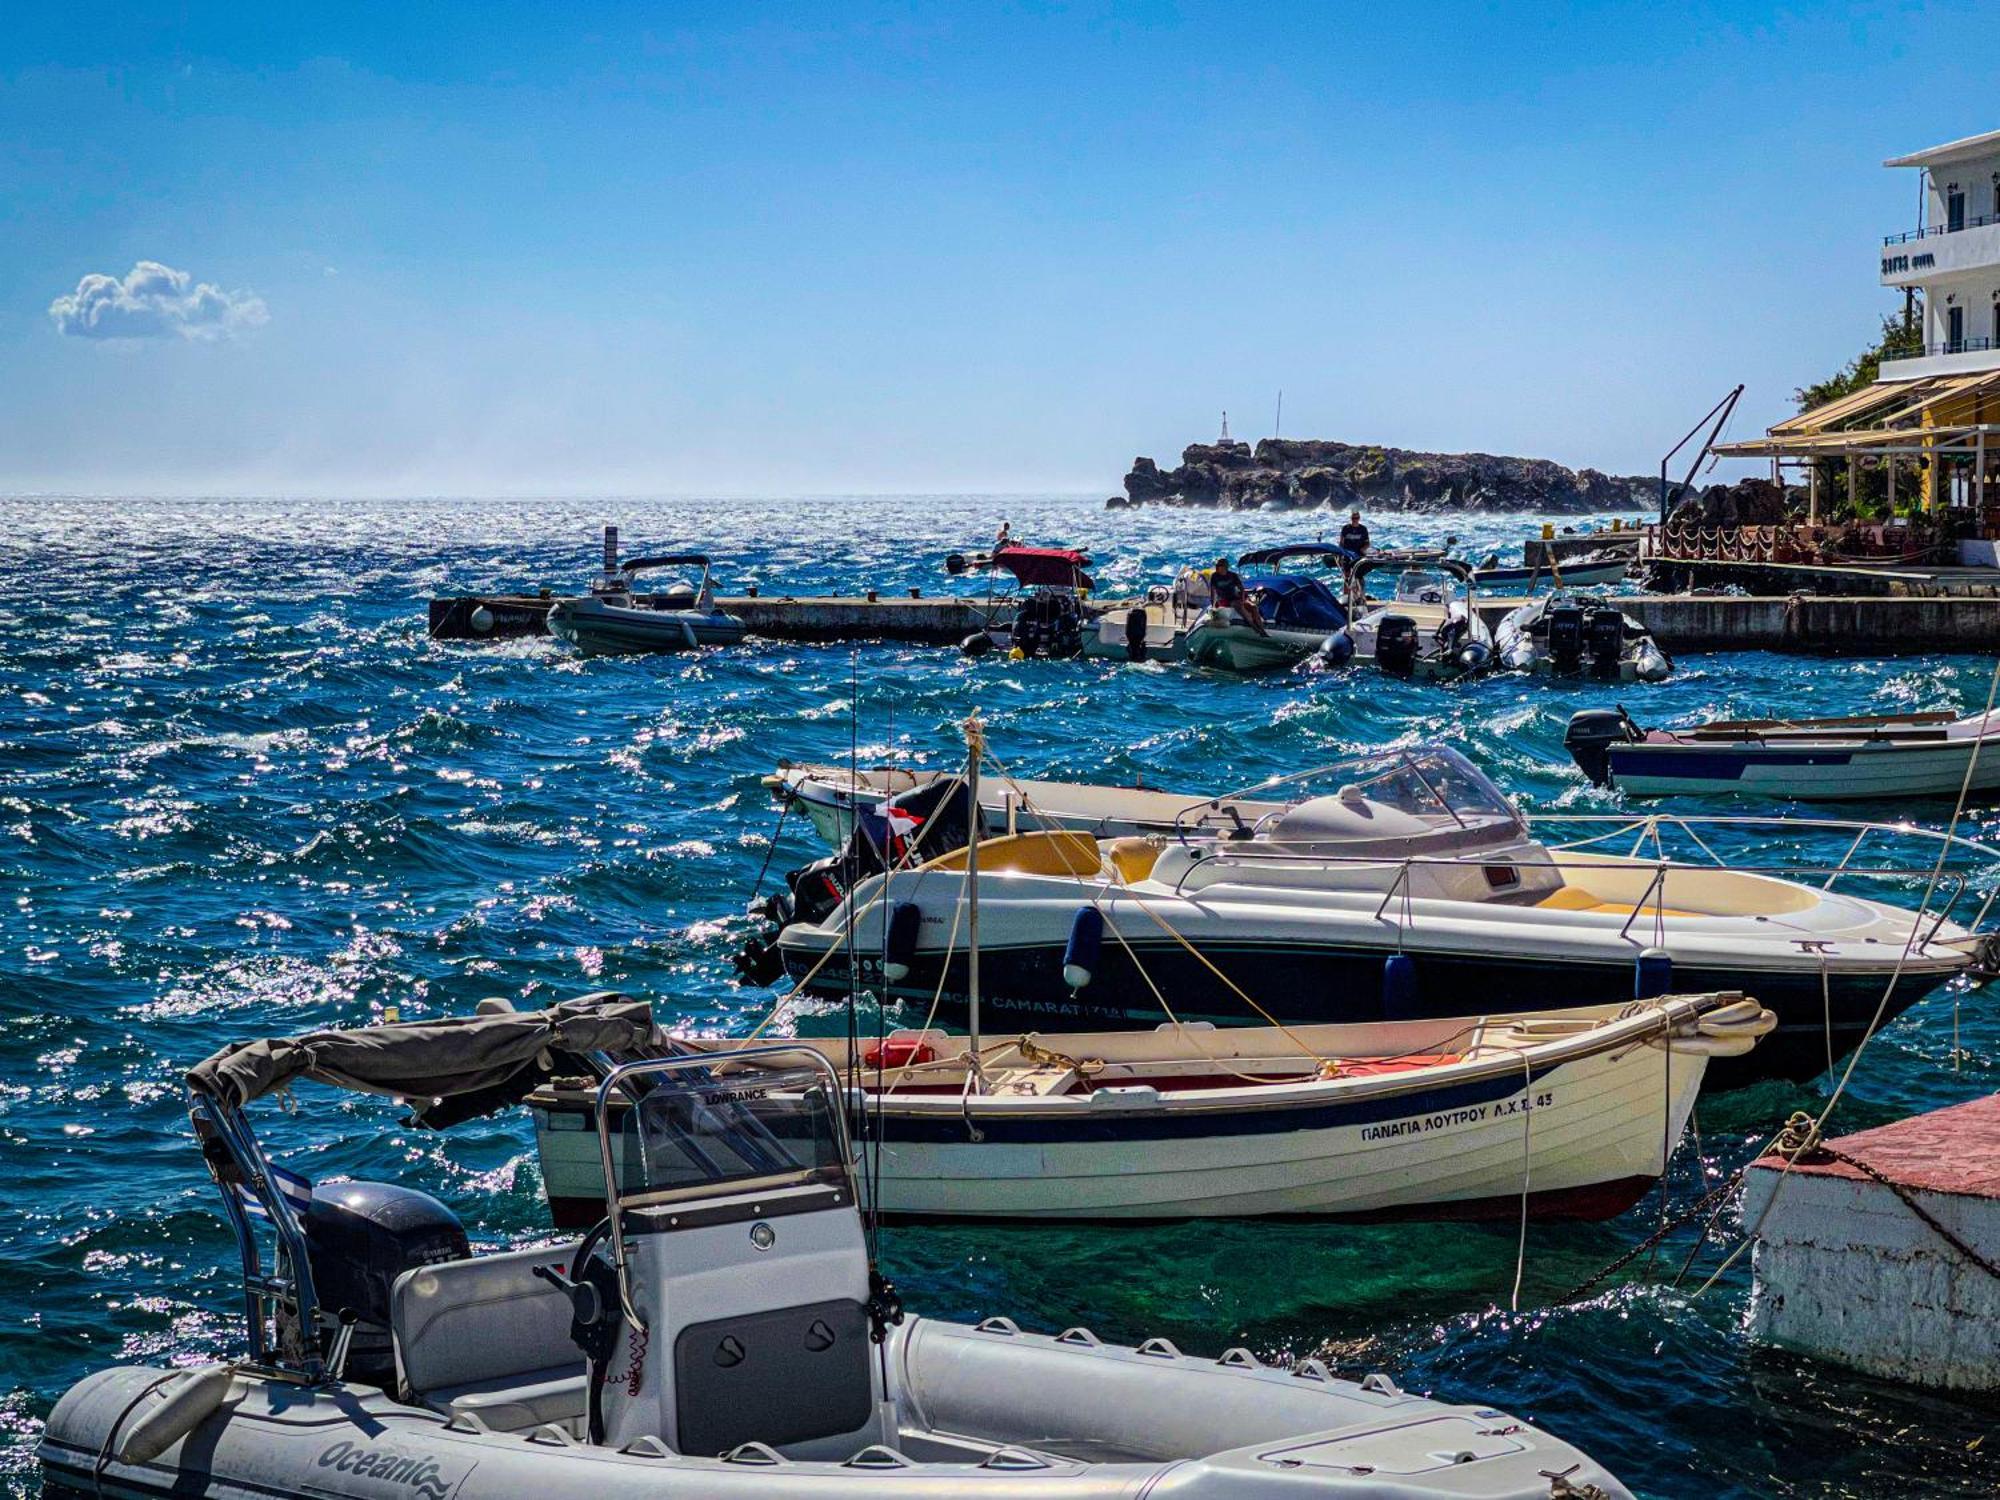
(1951, 258)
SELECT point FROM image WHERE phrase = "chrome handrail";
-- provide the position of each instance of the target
(615, 1079)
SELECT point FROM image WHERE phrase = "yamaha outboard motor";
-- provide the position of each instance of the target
(1396, 645)
(922, 823)
(361, 1236)
(1566, 638)
(1606, 636)
(1591, 734)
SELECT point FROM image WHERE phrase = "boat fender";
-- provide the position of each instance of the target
(1337, 650)
(482, 619)
(900, 946)
(976, 644)
(898, 1052)
(1135, 634)
(1086, 941)
(1473, 656)
(1399, 987)
(1652, 974)
(190, 1399)
(1017, 654)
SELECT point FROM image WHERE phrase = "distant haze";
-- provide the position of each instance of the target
(517, 249)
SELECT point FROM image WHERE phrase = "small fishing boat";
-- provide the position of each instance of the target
(827, 797)
(613, 618)
(1596, 570)
(1870, 756)
(1565, 634)
(1405, 1120)
(721, 1330)
(1047, 620)
(1428, 629)
(1299, 618)
(1414, 885)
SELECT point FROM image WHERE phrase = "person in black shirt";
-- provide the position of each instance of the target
(1225, 584)
(1354, 535)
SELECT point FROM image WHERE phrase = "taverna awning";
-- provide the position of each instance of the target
(1926, 416)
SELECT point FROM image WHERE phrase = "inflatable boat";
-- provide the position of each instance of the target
(1428, 629)
(1298, 618)
(1565, 634)
(612, 618)
(721, 1331)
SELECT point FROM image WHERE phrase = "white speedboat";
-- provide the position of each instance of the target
(1408, 1119)
(1873, 756)
(1583, 573)
(1298, 619)
(1428, 629)
(1413, 886)
(721, 1331)
(613, 618)
(1564, 634)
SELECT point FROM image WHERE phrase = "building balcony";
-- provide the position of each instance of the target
(1965, 357)
(1925, 255)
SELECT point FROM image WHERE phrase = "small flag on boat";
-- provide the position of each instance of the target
(294, 1189)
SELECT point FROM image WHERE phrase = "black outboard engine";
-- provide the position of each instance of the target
(1591, 734)
(1048, 623)
(1396, 645)
(1135, 633)
(360, 1237)
(936, 819)
(1605, 632)
(1566, 638)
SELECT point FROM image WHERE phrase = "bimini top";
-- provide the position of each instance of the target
(491, 1061)
(1294, 601)
(1430, 799)
(1329, 555)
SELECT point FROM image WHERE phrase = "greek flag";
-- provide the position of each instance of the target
(294, 1189)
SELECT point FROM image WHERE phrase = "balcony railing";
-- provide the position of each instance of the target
(1958, 346)
(1925, 233)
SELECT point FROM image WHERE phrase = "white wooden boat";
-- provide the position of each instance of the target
(723, 1331)
(1875, 756)
(1584, 573)
(1454, 1118)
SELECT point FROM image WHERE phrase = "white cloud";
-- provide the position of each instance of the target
(155, 302)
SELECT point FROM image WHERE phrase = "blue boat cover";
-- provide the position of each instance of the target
(1293, 601)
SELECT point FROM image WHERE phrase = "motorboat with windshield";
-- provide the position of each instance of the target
(1428, 628)
(721, 1329)
(1297, 617)
(1593, 570)
(1412, 885)
(1566, 634)
(1866, 756)
(615, 618)
(1047, 619)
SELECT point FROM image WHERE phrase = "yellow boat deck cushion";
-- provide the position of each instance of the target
(1574, 898)
(1055, 851)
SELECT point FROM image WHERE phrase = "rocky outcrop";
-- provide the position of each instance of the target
(1748, 502)
(1302, 473)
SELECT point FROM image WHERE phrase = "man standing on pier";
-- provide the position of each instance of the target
(1354, 535)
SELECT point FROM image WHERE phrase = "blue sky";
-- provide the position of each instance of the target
(513, 248)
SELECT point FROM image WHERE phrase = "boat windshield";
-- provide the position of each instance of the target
(1428, 800)
(1433, 783)
(692, 1134)
(1423, 586)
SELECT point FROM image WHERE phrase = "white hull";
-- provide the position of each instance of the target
(1798, 767)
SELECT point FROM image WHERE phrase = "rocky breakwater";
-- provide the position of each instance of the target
(1303, 474)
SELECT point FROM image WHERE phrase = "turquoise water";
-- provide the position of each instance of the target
(242, 793)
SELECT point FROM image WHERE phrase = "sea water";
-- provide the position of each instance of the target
(241, 793)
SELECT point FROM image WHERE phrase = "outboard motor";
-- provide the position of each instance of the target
(360, 1237)
(976, 644)
(1606, 642)
(1591, 734)
(1396, 645)
(1566, 643)
(1135, 634)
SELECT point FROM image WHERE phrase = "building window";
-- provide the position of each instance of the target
(1954, 330)
(1954, 210)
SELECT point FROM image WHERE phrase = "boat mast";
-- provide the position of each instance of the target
(975, 746)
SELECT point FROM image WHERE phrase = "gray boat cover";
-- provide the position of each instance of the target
(430, 1060)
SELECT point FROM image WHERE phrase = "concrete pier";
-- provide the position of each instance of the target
(1847, 1272)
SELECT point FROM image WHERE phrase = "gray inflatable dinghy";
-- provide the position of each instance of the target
(721, 1333)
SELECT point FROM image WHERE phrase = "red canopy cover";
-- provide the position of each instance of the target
(1045, 567)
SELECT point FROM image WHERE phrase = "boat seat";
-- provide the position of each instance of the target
(514, 1403)
(1133, 858)
(1573, 898)
(1052, 852)
(487, 1335)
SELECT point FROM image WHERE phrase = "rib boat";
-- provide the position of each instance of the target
(722, 1330)
(1428, 628)
(1872, 756)
(1562, 1115)
(1300, 617)
(1047, 620)
(1412, 886)
(1566, 634)
(614, 618)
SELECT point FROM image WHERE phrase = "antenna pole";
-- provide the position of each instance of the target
(975, 747)
(1278, 422)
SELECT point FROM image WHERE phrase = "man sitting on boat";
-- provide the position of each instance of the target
(1225, 586)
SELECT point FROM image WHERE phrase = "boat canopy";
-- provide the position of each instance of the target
(496, 1058)
(1045, 567)
(1427, 799)
(1295, 601)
